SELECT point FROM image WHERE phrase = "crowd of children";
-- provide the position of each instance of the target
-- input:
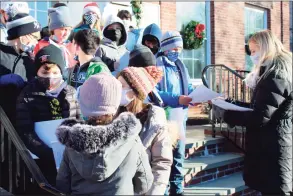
(112, 87)
(117, 136)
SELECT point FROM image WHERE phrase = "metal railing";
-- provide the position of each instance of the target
(19, 171)
(229, 83)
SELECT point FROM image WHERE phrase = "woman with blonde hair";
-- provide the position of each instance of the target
(91, 19)
(268, 142)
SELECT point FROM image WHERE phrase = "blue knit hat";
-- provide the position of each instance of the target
(170, 40)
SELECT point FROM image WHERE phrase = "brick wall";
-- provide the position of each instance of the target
(228, 34)
(286, 24)
(168, 16)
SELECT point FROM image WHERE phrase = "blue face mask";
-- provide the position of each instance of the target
(172, 56)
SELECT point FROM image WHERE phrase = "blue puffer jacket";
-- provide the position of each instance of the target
(133, 38)
(167, 89)
(137, 36)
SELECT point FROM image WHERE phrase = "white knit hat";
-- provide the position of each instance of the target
(100, 95)
(170, 40)
(92, 7)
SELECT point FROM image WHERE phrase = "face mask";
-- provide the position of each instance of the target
(172, 56)
(90, 18)
(155, 49)
(255, 58)
(27, 48)
(126, 24)
(55, 38)
(124, 99)
(50, 82)
(113, 34)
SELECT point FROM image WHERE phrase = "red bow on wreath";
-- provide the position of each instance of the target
(198, 30)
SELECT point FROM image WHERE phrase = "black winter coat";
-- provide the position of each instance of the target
(268, 142)
(12, 62)
(33, 105)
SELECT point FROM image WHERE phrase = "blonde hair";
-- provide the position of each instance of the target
(273, 54)
(136, 106)
(101, 120)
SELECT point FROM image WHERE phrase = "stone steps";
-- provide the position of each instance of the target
(200, 169)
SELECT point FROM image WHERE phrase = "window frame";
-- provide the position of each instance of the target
(36, 10)
(265, 22)
(198, 81)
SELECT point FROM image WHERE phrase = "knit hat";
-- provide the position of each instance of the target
(50, 54)
(142, 80)
(59, 17)
(141, 56)
(170, 40)
(22, 24)
(14, 8)
(92, 7)
(100, 95)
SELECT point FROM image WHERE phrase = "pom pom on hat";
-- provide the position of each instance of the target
(92, 7)
(142, 80)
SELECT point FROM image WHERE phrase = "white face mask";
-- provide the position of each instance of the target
(255, 58)
(125, 100)
(127, 24)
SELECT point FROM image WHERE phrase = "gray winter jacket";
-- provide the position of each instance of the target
(114, 55)
(103, 160)
(155, 136)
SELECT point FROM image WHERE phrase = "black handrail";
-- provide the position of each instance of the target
(234, 78)
(25, 155)
(206, 68)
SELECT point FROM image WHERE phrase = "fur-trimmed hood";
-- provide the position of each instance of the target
(97, 151)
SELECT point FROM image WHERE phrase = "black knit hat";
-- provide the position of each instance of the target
(141, 56)
(22, 24)
(50, 54)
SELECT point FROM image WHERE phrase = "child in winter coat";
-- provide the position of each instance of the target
(86, 42)
(48, 97)
(174, 90)
(137, 83)
(91, 19)
(60, 26)
(103, 155)
(152, 35)
(113, 51)
(141, 56)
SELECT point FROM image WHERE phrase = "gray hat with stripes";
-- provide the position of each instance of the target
(22, 24)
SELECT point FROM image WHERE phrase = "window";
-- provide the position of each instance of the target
(255, 20)
(195, 60)
(39, 10)
(291, 25)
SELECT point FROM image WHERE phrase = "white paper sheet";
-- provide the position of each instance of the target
(203, 94)
(58, 150)
(177, 115)
(229, 106)
(46, 130)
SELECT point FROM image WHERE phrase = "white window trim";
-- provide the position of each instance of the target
(35, 10)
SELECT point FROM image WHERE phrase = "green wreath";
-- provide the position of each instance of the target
(137, 11)
(193, 35)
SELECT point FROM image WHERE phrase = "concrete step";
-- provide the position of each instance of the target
(198, 144)
(200, 169)
(224, 186)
